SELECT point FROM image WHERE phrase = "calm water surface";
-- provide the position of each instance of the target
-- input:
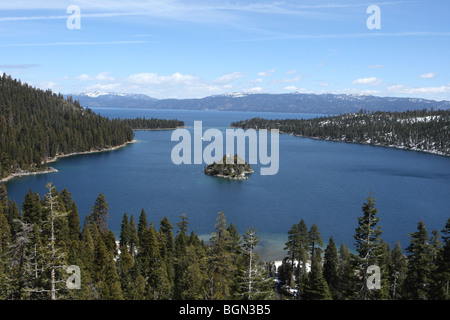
(322, 182)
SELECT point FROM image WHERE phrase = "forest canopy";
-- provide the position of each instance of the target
(420, 130)
(37, 125)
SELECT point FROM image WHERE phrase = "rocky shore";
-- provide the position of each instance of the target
(229, 167)
(21, 173)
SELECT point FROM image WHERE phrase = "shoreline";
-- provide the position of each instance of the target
(28, 173)
(56, 158)
(158, 129)
(392, 146)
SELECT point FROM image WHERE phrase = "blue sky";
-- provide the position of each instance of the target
(192, 49)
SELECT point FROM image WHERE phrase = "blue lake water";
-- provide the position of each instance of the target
(322, 182)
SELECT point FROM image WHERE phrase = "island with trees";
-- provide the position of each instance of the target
(229, 168)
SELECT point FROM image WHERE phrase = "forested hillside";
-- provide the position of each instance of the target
(421, 130)
(45, 238)
(153, 124)
(37, 125)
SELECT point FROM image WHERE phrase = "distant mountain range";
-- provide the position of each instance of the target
(289, 102)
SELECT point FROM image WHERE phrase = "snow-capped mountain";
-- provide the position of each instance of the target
(112, 99)
(244, 101)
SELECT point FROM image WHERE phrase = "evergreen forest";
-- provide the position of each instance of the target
(46, 252)
(37, 126)
(420, 130)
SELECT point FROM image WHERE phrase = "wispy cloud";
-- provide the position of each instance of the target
(347, 36)
(371, 81)
(267, 73)
(72, 43)
(228, 78)
(18, 66)
(430, 75)
(291, 80)
(375, 66)
(402, 89)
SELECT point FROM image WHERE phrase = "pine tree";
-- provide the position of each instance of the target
(179, 261)
(134, 238)
(13, 217)
(293, 248)
(316, 287)
(443, 270)
(31, 209)
(99, 213)
(124, 239)
(255, 284)
(74, 222)
(303, 256)
(368, 245)
(5, 235)
(191, 285)
(20, 262)
(51, 205)
(435, 291)
(330, 266)
(397, 272)
(345, 284)
(419, 264)
(238, 259)
(142, 225)
(221, 262)
(124, 271)
(315, 243)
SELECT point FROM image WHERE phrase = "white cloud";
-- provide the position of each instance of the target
(255, 89)
(430, 75)
(267, 73)
(290, 88)
(375, 66)
(291, 71)
(371, 81)
(395, 87)
(228, 78)
(110, 87)
(356, 91)
(72, 43)
(155, 79)
(104, 76)
(292, 80)
(84, 77)
(324, 84)
(419, 90)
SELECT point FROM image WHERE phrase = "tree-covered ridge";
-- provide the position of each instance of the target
(44, 238)
(37, 125)
(419, 130)
(153, 123)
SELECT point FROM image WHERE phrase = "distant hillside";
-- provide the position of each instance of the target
(419, 130)
(290, 102)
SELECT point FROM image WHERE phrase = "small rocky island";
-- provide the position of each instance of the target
(228, 168)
